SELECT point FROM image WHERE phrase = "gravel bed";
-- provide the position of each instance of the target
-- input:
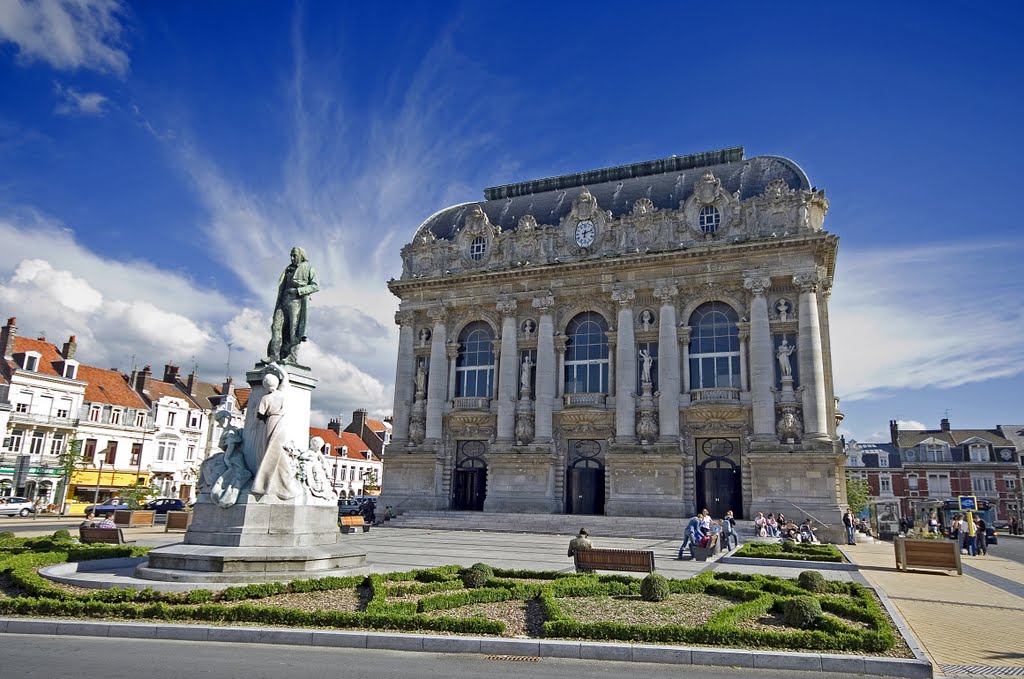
(677, 609)
(522, 618)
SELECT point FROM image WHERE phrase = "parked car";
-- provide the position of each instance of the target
(107, 508)
(16, 506)
(348, 507)
(165, 504)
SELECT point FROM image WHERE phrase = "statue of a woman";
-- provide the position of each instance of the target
(524, 377)
(784, 351)
(645, 373)
(272, 472)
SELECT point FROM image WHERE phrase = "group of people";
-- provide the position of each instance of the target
(91, 522)
(973, 540)
(703, 531)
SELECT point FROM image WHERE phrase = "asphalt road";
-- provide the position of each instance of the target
(28, 526)
(1008, 548)
(88, 658)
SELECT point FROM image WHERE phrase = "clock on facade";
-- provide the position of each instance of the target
(585, 232)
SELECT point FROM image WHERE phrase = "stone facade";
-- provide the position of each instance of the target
(520, 384)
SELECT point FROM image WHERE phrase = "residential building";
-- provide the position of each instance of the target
(41, 395)
(355, 468)
(375, 433)
(641, 340)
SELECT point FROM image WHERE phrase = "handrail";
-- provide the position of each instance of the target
(801, 510)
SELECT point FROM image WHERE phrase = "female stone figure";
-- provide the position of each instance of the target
(785, 349)
(267, 455)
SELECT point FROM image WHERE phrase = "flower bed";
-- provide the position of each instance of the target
(719, 609)
(790, 551)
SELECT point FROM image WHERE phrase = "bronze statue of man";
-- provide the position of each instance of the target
(288, 329)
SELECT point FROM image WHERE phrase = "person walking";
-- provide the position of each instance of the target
(850, 524)
(692, 536)
(729, 531)
(981, 537)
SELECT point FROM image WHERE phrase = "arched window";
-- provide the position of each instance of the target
(474, 366)
(586, 355)
(714, 347)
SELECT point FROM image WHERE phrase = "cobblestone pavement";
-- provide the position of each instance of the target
(970, 625)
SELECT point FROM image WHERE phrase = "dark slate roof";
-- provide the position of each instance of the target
(667, 182)
(953, 437)
(871, 452)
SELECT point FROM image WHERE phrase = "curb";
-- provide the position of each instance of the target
(790, 563)
(540, 648)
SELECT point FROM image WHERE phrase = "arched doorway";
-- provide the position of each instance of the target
(719, 482)
(469, 478)
(584, 483)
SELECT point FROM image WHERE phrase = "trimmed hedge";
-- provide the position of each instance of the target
(789, 550)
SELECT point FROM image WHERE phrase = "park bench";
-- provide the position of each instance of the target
(614, 560)
(130, 518)
(349, 523)
(111, 536)
(702, 553)
(937, 554)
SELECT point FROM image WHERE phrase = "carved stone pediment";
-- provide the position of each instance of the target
(706, 190)
(710, 211)
(471, 425)
(477, 223)
(579, 423)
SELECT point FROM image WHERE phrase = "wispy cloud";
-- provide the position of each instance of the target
(926, 317)
(67, 34)
(73, 102)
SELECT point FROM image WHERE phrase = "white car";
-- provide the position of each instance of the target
(16, 506)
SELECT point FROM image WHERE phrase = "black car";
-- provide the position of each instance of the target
(165, 504)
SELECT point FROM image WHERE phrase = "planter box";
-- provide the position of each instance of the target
(127, 518)
(936, 554)
(178, 521)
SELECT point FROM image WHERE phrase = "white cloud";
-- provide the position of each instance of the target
(67, 34)
(64, 288)
(926, 317)
(74, 102)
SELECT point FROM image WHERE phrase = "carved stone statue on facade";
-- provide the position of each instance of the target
(783, 352)
(424, 337)
(645, 371)
(789, 427)
(783, 308)
(288, 330)
(528, 328)
(646, 320)
(421, 381)
(524, 377)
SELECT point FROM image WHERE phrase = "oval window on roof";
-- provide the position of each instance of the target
(478, 248)
(709, 219)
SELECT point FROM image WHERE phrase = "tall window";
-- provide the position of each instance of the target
(165, 450)
(979, 452)
(57, 444)
(885, 484)
(95, 413)
(938, 485)
(136, 454)
(38, 441)
(170, 419)
(89, 450)
(714, 347)
(111, 452)
(115, 416)
(190, 453)
(912, 481)
(193, 419)
(474, 366)
(140, 418)
(586, 355)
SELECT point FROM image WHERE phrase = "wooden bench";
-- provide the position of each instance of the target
(131, 518)
(935, 553)
(178, 521)
(111, 536)
(614, 560)
(349, 523)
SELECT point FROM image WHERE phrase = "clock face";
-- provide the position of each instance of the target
(585, 232)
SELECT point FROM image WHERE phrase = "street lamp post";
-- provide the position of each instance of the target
(96, 495)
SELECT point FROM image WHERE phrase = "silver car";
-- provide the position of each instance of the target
(16, 506)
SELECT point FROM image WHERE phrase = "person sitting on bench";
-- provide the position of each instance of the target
(107, 522)
(579, 543)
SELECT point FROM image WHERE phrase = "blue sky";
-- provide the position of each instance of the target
(157, 160)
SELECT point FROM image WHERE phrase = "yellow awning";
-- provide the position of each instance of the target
(108, 478)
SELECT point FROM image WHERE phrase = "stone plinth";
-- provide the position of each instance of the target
(254, 524)
(521, 479)
(413, 473)
(203, 563)
(644, 484)
(298, 395)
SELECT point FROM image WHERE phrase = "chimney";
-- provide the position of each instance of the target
(7, 335)
(140, 378)
(228, 389)
(191, 382)
(70, 347)
(335, 425)
(944, 425)
(170, 373)
(359, 422)
(894, 432)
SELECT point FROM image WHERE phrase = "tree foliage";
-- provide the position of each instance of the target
(857, 494)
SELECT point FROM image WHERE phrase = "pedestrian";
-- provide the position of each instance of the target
(692, 536)
(729, 531)
(37, 508)
(850, 524)
(981, 537)
(580, 543)
(1014, 526)
(903, 526)
(933, 523)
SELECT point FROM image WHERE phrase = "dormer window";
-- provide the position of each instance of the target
(979, 452)
(70, 369)
(115, 416)
(478, 248)
(936, 452)
(193, 420)
(344, 451)
(30, 361)
(140, 418)
(709, 219)
(95, 413)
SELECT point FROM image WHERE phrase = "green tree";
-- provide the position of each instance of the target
(857, 494)
(67, 463)
(138, 495)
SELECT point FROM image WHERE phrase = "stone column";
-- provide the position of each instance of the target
(405, 377)
(508, 381)
(560, 344)
(812, 375)
(625, 367)
(744, 333)
(668, 362)
(684, 342)
(452, 351)
(544, 399)
(437, 383)
(762, 368)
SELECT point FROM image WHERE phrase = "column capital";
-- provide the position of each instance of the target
(666, 291)
(452, 349)
(439, 312)
(809, 281)
(744, 334)
(560, 342)
(544, 301)
(757, 285)
(404, 317)
(684, 334)
(623, 295)
(506, 306)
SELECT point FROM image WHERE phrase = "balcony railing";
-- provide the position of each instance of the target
(718, 394)
(584, 400)
(471, 403)
(32, 418)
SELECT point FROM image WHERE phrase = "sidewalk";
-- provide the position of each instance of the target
(960, 621)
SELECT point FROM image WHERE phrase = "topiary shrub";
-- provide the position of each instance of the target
(812, 581)
(62, 534)
(801, 611)
(477, 575)
(7, 535)
(654, 588)
(788, 546)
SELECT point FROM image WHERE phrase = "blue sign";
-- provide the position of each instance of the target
(968, 503)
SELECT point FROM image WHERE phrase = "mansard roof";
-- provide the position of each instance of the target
(666, 182)
(952, 437)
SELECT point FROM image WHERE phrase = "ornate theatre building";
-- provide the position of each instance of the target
(643, 340)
